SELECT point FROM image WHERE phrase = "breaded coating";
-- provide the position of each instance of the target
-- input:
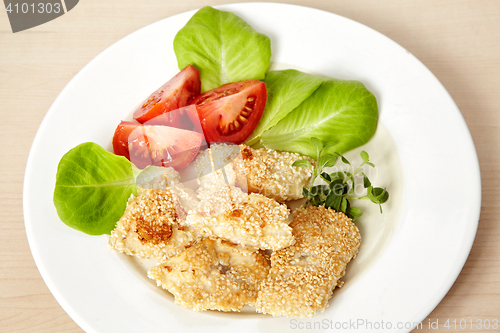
(271, 173)
(213, 275)
(263, 171)
(248, 220)
(150, 226)
(210, 162)
(303, 276)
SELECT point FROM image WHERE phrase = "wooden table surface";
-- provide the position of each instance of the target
(459, 41)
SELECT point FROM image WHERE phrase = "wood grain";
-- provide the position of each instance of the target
(459, 41)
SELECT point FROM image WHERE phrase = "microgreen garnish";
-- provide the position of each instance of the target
(340, 185)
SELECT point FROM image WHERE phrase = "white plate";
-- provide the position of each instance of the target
(411, 273)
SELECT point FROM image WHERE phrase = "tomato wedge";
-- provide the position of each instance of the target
(164, 146)
(231, 112)
(175, 118)
(174, 94)
(120, 139)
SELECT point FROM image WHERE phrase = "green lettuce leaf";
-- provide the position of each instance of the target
(285, 91)
(342, 114)
(223, 47)
(92, 188)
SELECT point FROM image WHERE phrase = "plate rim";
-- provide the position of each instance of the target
(29, 164)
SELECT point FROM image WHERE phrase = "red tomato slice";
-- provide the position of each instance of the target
(174, 94)
(175, 118)
(231, 112)
(164, 146)
(120, 139)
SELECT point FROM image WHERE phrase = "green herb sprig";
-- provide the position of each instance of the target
(340, 185)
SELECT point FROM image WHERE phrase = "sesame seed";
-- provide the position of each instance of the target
(224, 276)
(303, 276)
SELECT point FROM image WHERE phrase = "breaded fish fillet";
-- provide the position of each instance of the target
(303, 276)
(213, 275)
(263, 171)
(251, 220)
(150, 226)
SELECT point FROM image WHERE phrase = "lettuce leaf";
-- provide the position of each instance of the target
(286, 89)
(92, 188)
(340, 113)
(223, 47)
